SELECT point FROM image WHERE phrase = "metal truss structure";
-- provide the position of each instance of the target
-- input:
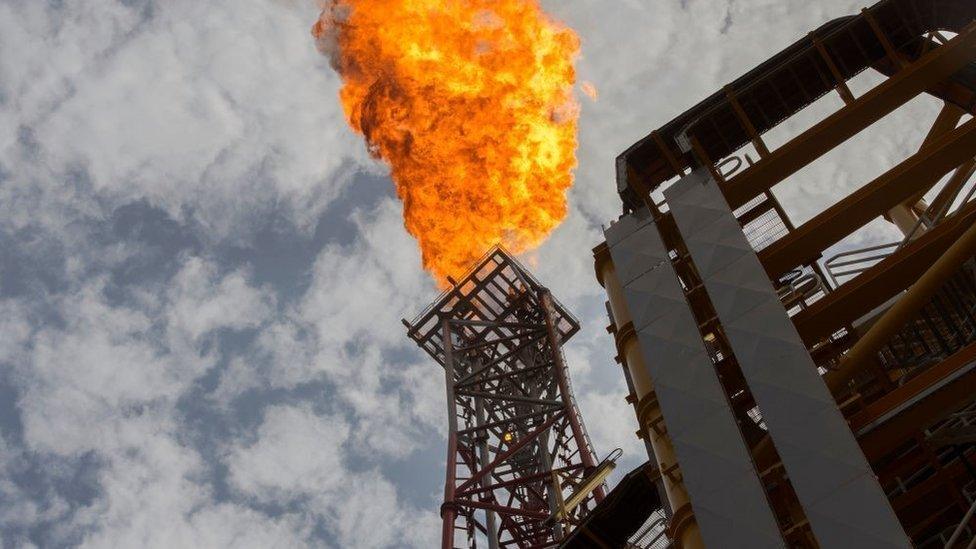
(520, 467)
(880, 341)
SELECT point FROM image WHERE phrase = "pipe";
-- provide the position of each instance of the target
(863, 351)
(684, 528)
(903, 217)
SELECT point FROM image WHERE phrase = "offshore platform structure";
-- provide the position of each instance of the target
(788, 398)
(521, 471)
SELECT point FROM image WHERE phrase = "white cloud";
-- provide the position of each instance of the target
(201, 301)
(346, 330)
(152, 498)
(106, 382)
(218, 110)
(282, 357)
(354, 305)
(108, 360)
(361, 292)
(220, 113)
(298, 455)
(19, 509)
(14, 330)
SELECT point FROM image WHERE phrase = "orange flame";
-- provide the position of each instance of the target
(470, 103)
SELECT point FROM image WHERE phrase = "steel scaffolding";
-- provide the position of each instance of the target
(519, 462)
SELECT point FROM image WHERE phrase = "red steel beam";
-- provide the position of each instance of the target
(513, 449)
(518, 481)
(512, 511)
(565, 391)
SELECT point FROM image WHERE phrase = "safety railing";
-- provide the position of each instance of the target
(653, 535)
(929, 219)
(845, 265)
(963, 528)
(943, 455)
(854, 262)
(963, 418)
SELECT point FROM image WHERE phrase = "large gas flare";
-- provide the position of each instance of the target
(471, 104)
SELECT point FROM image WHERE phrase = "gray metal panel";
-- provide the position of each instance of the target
(635, 257)
(727, 498)
(833, 481)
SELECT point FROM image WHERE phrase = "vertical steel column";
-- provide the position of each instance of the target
(483, 458)
(449, 507)
(552, 497)
(586, 454)
(682, 525)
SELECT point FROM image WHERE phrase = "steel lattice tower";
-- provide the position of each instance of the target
(519, 462)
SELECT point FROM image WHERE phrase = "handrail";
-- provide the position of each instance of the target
(931, 221)
(661, 526)
(656, 531)
(864, 263)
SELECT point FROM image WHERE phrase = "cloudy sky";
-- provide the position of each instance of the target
(202, 272)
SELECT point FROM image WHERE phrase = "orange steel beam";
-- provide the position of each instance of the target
(921, 170)
(948, 119)
(947, 90)
(747, 125)
(864, 351)
(840, 84)
(907, 83)
(873, 287)
(921, 401)
(948, 193)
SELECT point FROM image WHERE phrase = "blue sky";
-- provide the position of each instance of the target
(202, 272)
